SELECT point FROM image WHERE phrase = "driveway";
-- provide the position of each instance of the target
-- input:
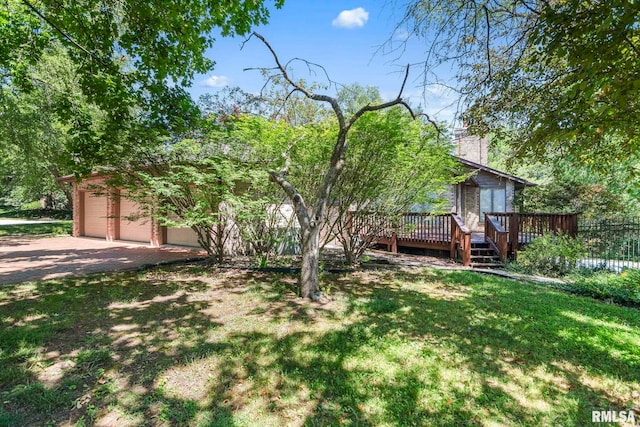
(30, 258)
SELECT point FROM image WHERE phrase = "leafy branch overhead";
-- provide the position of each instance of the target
(562, 76)
(133, 58)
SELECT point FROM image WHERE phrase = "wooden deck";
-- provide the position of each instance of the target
(506, 233)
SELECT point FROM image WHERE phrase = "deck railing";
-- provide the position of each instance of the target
(460, 240)
(424, 227)
(522, 228)
(413, 229)
(506, 232)
(496, 236)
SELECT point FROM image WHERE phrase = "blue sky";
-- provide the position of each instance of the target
(344, 37)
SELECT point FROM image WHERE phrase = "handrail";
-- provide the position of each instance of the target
(460, 239)
(496, 236)
(460, 223)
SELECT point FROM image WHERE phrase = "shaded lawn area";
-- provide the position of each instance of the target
(57, 228)
(12, 212)
(186, 345)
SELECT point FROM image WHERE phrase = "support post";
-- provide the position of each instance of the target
(514, 231)
(466, 249)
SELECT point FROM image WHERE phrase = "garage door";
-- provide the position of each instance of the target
(95, 215)
(182, 236)
(138, 230)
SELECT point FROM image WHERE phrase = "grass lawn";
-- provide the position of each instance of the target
(62, 225)
(57, 227)
(184, 345)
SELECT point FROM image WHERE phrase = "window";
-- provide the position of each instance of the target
(492, 200)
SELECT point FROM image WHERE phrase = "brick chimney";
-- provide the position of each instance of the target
(470, 147)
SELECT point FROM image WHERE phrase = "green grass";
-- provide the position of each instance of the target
(36, 213)
(56, 228)
(185, 346)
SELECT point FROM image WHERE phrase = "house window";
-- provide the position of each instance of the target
(492, 200)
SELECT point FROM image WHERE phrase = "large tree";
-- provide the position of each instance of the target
(310, 216)
(133, 58)
(563, 74)
(32, 134)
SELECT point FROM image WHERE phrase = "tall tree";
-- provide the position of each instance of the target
(563, 74)
(32, 132)
(311, 216)
(132, 57)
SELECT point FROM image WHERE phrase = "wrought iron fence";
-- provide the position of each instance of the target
(611, 243)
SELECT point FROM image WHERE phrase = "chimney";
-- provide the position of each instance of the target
(470, 147)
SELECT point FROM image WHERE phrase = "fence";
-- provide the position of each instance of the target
(613, 244)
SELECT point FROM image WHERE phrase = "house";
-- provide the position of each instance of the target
(111, 215)
(486, 189)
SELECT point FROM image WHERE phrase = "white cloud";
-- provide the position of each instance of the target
(216, 81)
(351, 18)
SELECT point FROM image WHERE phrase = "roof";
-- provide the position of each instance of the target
(492, 171)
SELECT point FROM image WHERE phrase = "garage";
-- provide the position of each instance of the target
(133, 227)
(95, 215)
(182, 236)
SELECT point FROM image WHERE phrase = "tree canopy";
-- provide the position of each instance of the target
(133, 59)
(563, 76)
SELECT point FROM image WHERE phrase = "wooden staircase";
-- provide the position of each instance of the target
(484, 256)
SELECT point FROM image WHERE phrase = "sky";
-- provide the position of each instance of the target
(352, 40)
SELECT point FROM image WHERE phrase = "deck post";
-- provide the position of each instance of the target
(466, 249)
(452, 243)
(394, 242)
(514, 231)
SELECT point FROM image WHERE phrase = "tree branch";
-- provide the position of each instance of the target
(397, 101)
(59, 30)
(293, 194)
(316, 97)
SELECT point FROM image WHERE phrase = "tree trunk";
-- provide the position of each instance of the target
(309, 276)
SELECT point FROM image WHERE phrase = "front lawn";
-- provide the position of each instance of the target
(39, 228)
(184, 345)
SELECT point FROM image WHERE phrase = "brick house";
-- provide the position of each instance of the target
(487, 189)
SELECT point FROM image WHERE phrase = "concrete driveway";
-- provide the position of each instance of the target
(30, 258)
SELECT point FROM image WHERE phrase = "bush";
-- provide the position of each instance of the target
(550, 255)
(623, 288)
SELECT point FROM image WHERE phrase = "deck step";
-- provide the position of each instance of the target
(487, 265)
(484, 256)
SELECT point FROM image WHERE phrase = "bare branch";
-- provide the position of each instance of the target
(316, 97)
(487, 47)
(397, 101)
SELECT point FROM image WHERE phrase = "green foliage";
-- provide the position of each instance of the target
(550, 255)
(562, 73)
(57, 228)
(623, 288)
(36, 213)
(34, 138)
(396, 164)
(567, 185)
(132, 60)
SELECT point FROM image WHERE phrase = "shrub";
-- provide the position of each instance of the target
(621, 288)
(550, 255)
